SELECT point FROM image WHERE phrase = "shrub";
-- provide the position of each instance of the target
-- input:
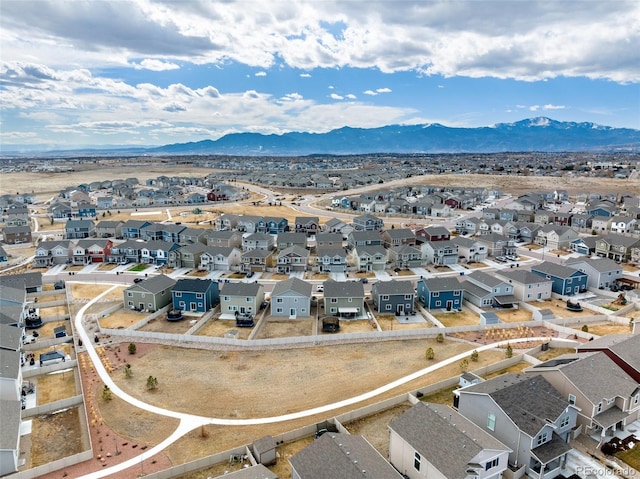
(509, 352)
(152, 382)
(132, 348)
(464, 365)
(429, 354)
(585, 328)
(440, 338)
(128, 372)
(106, 393)
(475, 356)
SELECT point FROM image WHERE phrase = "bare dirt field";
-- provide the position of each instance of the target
(559, 308)
(389, 322)
(65, 427)
(55, 386)
(122, 318)
(466, 317)
(355, 326)
(514, 315)
(285, 328)
(46, 330)
(218, 328)
(161, 325)
(603, 329)
(90, 291)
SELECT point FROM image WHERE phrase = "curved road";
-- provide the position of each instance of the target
(189, 422)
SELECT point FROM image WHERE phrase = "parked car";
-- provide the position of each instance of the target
(364, 280)
(501, 259)
(137, 280)
(250, 274)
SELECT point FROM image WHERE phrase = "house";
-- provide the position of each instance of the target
(440, 293)
(193, 236)
(272, 225)
(257, 260)
(616, 247)
(309, 225)
(195, 295)
(60, 210)
(606, 405)
(17, 234)
(226, 222)
(602, 272)
(244, 298)
(132, 229)
(556, 237)
(585, 245)
(293, 258)
(440, 252)
(50, 253)
(291, 298)
(393, 297)
(368, 222)
(109, 229)
(13, 305)
(128, 252)
(220, 258)
(3, 255)
(187, 256)
(85, 209)
(528, 232)
(364, 238)
(88, 251)
(487, 290)
(433, 233)
(566, 281)
(329, 239)
(524, 411)
(498, 245)
(623, 224)
(470, 250)
(621, 348)
(433, 440)
(11, 412)
(149, 295)
(369, 258)
(336, 225)
(405, 256)
(600, 224)
(527, 286)
(104, 202)
(157, 252)
(398, 237)
(286, 240)
(344, 299)
(225, 238)
(331, 259)
(255, 241)
(79, 229)
(581, 221)
(169, 233)
(338, 455)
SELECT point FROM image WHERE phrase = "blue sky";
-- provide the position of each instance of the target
(153, 72)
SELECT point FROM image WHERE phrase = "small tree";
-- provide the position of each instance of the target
(440, 338)
(464, 365)
(106, 393)
(509, 351)
(132, 348)
(152, 383)
(128, 372)
(429, 354)
(585, 328)
(475, 356)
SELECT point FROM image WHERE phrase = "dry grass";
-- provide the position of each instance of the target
(218, 328)
(603, 329)
(55, 386)
(90, 291)
(122, 318)
(514, 315)
(46, 330)
(161, 325)
(516, 368)
(389, 322)
(466, 317)
(55, 436)
(559, 308)
(553, 353)
(274, 328)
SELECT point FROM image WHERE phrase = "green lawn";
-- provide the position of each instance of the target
(631, 457)
(444, 396)
(138, 267)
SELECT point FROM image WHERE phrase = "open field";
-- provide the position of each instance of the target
(90, 291)
(559, 308)
(122, 318)
(603, 329)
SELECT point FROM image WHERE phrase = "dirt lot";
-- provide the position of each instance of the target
(55, 436)
(218, 328)
(602, 329)
(514, 315)
(466, 317)
(389, 322)
(46, 330)
(90, 291)
(122, 318)
(55, 386)
(161, 325)
(559, 308)
(285, 328)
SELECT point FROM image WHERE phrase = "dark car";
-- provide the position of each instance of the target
(250, 274)
(137, 280)
(364, 280)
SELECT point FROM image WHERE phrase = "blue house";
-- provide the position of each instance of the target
(564, 280)
(195, 295)
(86, 210)
(393, 297)
(272, 225)
(132, 229)
(440, 293)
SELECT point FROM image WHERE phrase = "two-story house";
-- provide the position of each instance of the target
(50, 253)
(255, 241)
(195, 295)
(243, 298)
(224, 238)
(616, 247)
(398, 237)
(89, 251)
(393, 297)
(344, 299)
(368, 222)
(293, 259)
(369, 258)
(79, 229)
(602, 272)
(566, 281)
(443, 252)
(405, 256)
(527, 286)
(291, 298)
(220, 258)
(288, 239)
(17, 234)
(309, 225)
(488, 290)
(440, 293)
(331, 259)
(151, 294)
(470, 250)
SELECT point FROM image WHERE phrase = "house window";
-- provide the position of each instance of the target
(491, 422)
(278, 310)
(199, 295)
(456, 293)
(178, 294)
(416, 461)
(387, 307)
(334, 300)
(385, 297)
(438, 304)
(491, 464)
(599, 408)
(278, 300)
(408, 296)
(249, 300)
(564, 422)
(435, 294)
(572, 399)
(542, 438)
(227, 298)
(129, 294)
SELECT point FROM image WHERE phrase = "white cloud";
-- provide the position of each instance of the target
(155, 65)
(350, 96)
(370, 92)
(383, 90)
(534, 107)
(260, 74)
(553, 107)
(305, 75)
(335, 96)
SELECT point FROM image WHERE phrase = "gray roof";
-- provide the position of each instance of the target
(254, 472)
(10, 337)
(522, 276)
(222, 234)
(343, 289)
(263, 444)
(445, 438)
(10, 412)
(108, 224)
(241, 289)
(629, 351)
(325, 237)
(293, 284)
(557, 270)
(195, 248)
(392, 287)
(292, 237)
(616, 239)
(487, 279)
(10, 364)
(13, 294)
(257, 253)
(154, 284)
(400, 233)
(601, 265)
(220, 250)
(371, 250)
(365, 235)
(442, 284)
(475, 290)
(29, 280)
(335, 455)
(527, 399)
(295, 250)
(331, 251)
(192, 285)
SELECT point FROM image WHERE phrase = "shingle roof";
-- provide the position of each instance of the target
(292, 284)
(155, 284)
(343, 289)
(10, 412)
(335, 455)
(601, 265)
(10, 337)
(192, 285)
(487, 279)
(241, 289)
(522, 276)
(392, 287)
(557, 270)
(444, 437)
(527, 399)
(10, 361)
(442, 284)
(29, 280)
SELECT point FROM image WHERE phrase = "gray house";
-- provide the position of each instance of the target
(526, 285)
(291, 298)
(602, 272)
(344, 299)
(149, 295)
(340, 456)
(244, 298)
(487, 290)
(393, 297)
(526, 413)
(433, 440)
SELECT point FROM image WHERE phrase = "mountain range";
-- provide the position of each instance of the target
(533, 134)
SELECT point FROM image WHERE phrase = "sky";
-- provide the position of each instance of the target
(154, 72)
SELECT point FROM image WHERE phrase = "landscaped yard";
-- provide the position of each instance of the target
(138, 267)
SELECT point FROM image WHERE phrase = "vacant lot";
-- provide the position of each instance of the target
(602, 329)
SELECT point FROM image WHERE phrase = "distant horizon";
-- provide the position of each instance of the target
(95, 74)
